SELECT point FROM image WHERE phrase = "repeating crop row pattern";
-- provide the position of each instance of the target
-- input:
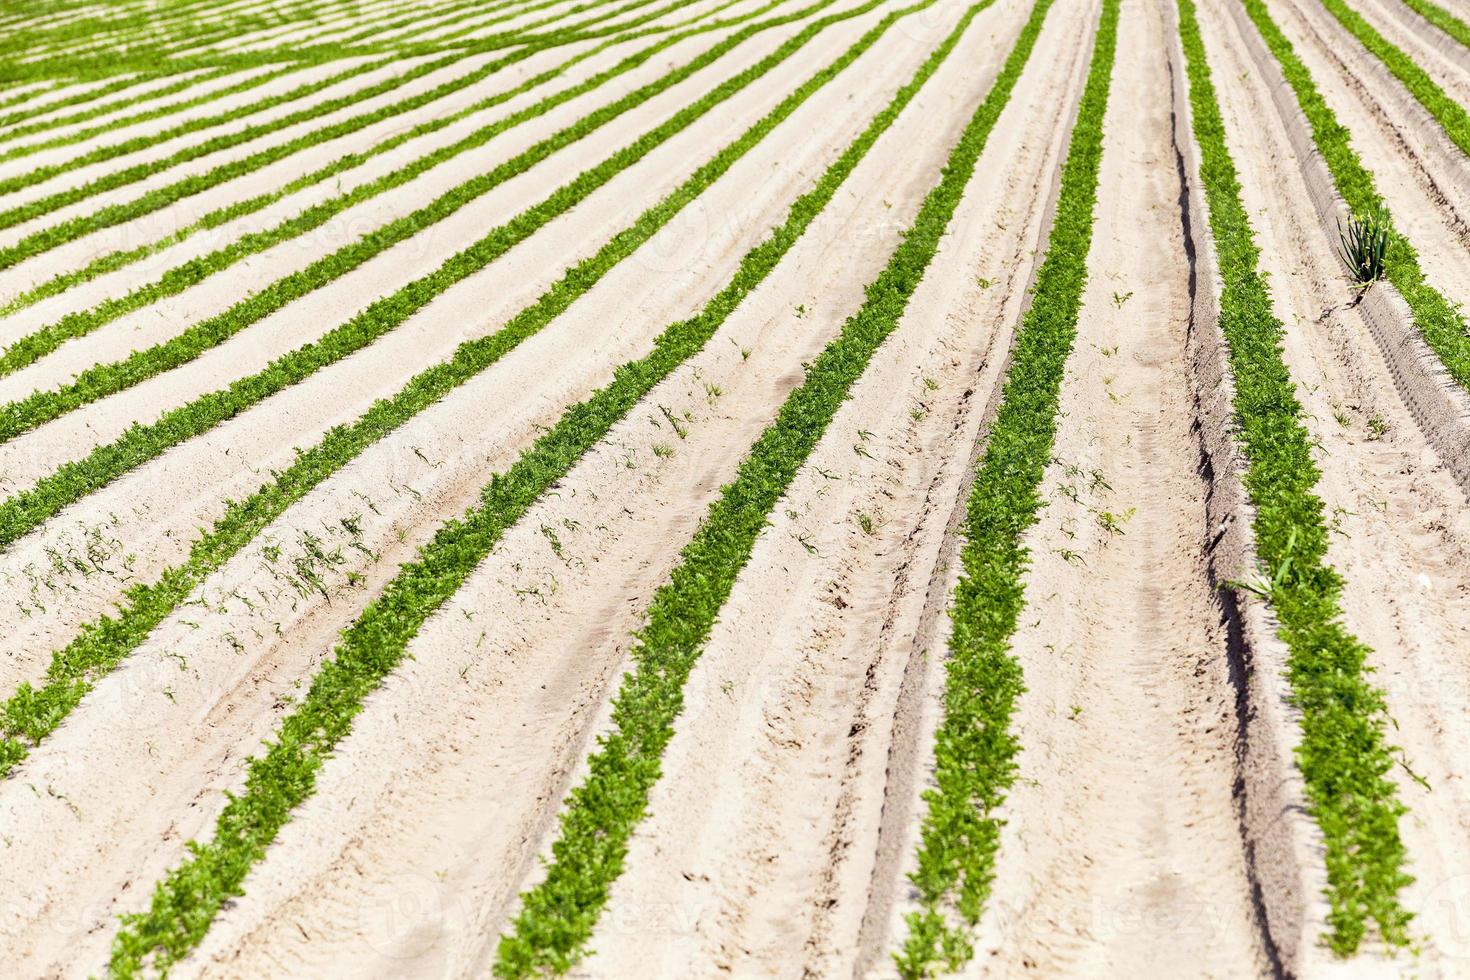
(1344, 756)
(558, 915)
(31, 714)
(186, 902)
(145, 61)
(974, 750)
(1440, 320)
(111, 215)
(25, 511)
(1450, 114)
(28, 349)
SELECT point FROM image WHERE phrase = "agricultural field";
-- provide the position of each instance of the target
(734, 488)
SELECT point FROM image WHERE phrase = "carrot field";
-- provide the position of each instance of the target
(734, 488)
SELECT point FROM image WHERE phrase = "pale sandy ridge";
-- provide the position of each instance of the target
(146, 508)
(1121, 853)
(239, 706)
(759, 846)
(132, 99)
(514, 18)
(1402, 522)
(166, 318)
(82, 175)
(610, 569)
(140, 99)
(167, 220)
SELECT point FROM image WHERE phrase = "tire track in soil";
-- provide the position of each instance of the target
(1402, 523)
(1122, 852)
(757, 854)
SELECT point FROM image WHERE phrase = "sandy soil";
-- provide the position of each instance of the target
(146, 509)
(1121, 853)
(1402, 522)
(164, 319)
(778, 758)
(241, 709)
(1141, 838)
(507, 816)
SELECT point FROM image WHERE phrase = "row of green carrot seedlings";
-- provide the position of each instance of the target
(13, 93)
(127, 61)
(186, 901)
(45, 339)
(974, 747)
(24, 511)
(309, 111)
(1441, 18)
(1425, 90)
(155, 111)
(31, 714)
(111, 215)
(1344, 755)
(99, 154)
(1439, 319)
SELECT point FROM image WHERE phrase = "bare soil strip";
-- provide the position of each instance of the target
(146, 508)
(775, 773)
(1402, 521)
(1122, 852)
(225, 701)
